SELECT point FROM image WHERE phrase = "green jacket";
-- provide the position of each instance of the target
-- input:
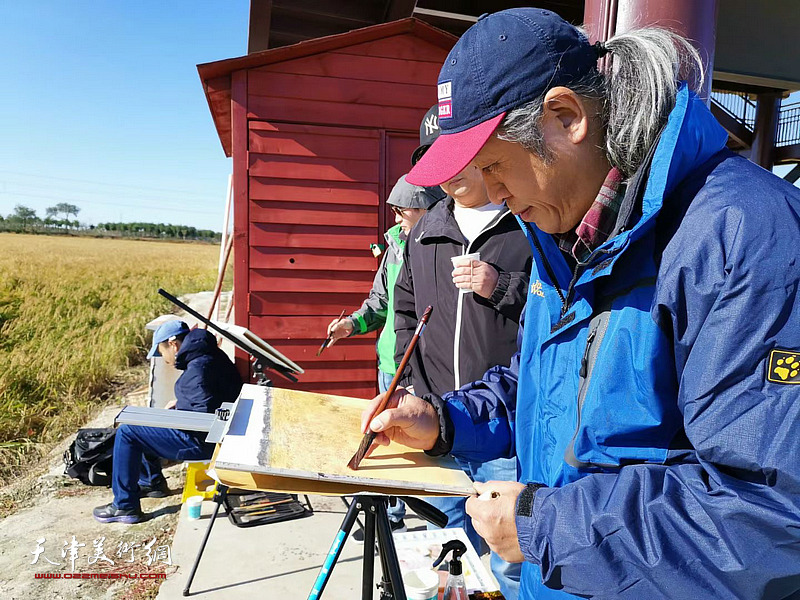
(377, 309)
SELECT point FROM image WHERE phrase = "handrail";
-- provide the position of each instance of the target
(738, 105)
(788, 125)
(742, 108)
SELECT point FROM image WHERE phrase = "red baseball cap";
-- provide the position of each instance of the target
(451, 153)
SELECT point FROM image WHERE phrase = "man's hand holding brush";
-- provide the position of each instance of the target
(407, 420)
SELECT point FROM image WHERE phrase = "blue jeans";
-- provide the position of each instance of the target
(500, 469)
(398, 511)
(136, 458)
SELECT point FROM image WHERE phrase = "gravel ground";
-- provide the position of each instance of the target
(59, 509)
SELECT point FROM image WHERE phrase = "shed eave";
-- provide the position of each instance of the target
(221, 69)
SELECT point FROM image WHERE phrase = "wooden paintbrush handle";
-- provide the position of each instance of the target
(369, 437)
(423, 321)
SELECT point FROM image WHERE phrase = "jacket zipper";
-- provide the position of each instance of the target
(593, 342)
(585, 359)
(457, 341)
(460, 305)
(550, 273)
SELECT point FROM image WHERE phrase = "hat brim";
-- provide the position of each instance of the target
(418, 153)
(153, 351)
(450, 153)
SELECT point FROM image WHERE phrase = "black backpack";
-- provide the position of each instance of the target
(89, 457)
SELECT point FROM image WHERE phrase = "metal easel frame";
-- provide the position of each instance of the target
(376, 528)
(214, 424)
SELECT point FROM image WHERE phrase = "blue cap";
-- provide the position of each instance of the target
(167, 331)
(503, 61)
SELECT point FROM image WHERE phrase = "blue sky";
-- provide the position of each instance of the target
(101, 106)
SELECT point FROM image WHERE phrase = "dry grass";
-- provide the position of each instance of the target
(72, 315)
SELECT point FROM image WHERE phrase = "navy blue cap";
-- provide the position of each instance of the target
(166, 331)
(503, 61)
(428, 132)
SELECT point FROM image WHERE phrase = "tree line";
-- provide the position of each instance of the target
(57, 220)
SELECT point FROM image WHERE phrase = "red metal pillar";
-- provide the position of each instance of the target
(696, 20)
(768, 108)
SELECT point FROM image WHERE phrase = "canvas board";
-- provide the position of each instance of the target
(300, 442)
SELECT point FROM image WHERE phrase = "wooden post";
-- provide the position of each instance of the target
(220, 277)
(223, 243)
(768, 108)
(696, 20)
(241, 210)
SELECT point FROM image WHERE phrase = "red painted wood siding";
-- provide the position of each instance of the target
(328, 136)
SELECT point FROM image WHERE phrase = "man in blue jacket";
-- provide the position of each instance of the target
(653, 404)
(209, 378)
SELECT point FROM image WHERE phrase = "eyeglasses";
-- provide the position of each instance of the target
(400, 212)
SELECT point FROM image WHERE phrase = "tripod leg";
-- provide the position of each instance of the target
(389, 561)
(347, 504)
(336, 550)
(368, 568)
(219, 498)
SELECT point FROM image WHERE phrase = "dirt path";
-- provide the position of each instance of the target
(59, 510)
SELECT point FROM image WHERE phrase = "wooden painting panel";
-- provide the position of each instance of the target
(308, 438)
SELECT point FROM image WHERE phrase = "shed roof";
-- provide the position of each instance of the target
(216, 76)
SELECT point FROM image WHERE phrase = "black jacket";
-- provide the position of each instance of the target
(481, 332)
(209, 377)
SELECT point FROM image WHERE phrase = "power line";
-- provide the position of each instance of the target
(12, 188)
(122, 185)
(97, 202)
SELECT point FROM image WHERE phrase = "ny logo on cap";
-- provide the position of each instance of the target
(431, 124)
(445, 90)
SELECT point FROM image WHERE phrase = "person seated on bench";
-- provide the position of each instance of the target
(209, 378)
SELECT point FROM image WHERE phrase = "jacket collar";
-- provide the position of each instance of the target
(691, 136)
(395, 240)
(439, 223)
(197, 342)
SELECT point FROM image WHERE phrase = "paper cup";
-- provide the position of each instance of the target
(464, 260)
(193, 506)
(421, 584)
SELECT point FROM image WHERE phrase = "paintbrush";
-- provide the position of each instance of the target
(259, 505)
(369, 437)
(250, 516)
(329, 338)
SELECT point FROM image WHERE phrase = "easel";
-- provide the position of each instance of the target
(376, 527)
(214, 424)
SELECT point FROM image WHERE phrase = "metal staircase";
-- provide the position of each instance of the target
(736, 111)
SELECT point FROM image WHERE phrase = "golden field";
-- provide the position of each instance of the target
(72, 315)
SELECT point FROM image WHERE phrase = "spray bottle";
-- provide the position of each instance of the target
(455, 588)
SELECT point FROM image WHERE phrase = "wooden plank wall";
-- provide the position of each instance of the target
(319, 133)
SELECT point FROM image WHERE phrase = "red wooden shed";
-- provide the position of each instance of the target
(319, 133)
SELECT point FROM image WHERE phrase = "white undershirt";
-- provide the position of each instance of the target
(471, 221)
